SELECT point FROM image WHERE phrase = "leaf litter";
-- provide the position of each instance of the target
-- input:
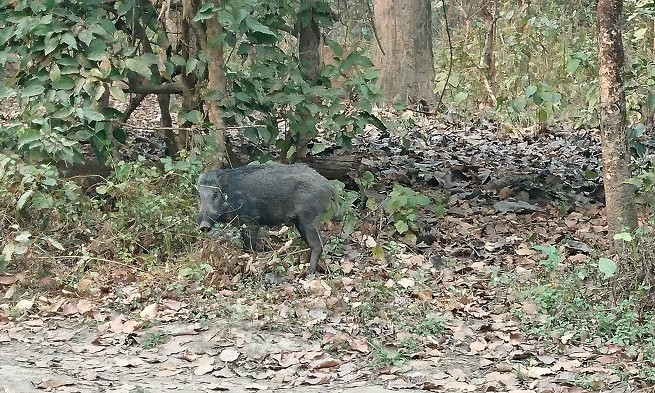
(423, 318)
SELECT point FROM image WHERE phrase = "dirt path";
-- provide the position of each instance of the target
(67, 357)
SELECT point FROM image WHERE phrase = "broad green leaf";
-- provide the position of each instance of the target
(55, 73)
(572, 66)
(69, 40)
(542, 115)
(530, 90)
(318, 148)
(139, 66)
(607, 267)
(50, 45)
(625, 236)
(401, 226)
(64, 83)
(191, 65)
(97, 50)
(255, 26)
(205, 12)
(23, 199)
(461, 96)
(32, 90)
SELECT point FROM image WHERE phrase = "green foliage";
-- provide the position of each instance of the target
(273, 86)
(430, 326)
(65, 65)
(553, 258)
(387, 356)
(138, 211)
(153, 339)
(153, 213)
(403, 206)
(573, 301)
(541, 98)
(71, 56)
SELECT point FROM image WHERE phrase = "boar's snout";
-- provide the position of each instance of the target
(205, 226)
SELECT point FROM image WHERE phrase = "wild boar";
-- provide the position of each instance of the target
(272, 194)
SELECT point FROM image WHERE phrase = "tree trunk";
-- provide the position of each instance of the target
(487, 59)
(210, 35)
(309, 43)
(403, 50)
(619, 197)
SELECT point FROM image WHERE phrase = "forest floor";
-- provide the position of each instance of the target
(450, 314)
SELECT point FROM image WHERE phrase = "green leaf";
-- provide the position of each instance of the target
(530, 90)
(461, 96)
(23, 199)
(572, 66)
(542, 115)
(32, 90)
(607, 267)
(69, 40)
(625, 236)
(97, 50)
(205, 12)
(422, 200)
(139, 66)
(319, 147)
(401, 226)
(257, 27)
(55, 73)
(191, 65)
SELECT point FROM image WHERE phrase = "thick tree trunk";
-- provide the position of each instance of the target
(619, 197)
(404, 53)
(309, 43)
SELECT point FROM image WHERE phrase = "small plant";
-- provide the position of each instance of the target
(196, 273)
(154, 339)
(410, 345)
(385, 356)
(553, 258)
(430, 326)
(403, 205)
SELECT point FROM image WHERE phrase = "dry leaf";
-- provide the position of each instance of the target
(150, 311)
(24, 304)
(229, 355)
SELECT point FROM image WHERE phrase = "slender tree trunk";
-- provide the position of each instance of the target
(216, 84)
(487, 59)
(619, 197)
(210, 35)
(404, 53)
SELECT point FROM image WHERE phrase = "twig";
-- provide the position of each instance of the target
(450, 47)
(375, 30)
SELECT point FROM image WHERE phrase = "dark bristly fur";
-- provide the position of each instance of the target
(268, 195)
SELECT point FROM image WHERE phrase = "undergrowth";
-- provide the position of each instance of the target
(138, 216)
(583, 303)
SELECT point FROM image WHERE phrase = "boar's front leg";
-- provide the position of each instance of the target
(250, 237)
(309, 232)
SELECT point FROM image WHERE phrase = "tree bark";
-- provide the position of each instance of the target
(210, 34)
(619, 197)
(404, 53)
(309, 43)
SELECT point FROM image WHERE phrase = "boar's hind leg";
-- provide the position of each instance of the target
(309, 232)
